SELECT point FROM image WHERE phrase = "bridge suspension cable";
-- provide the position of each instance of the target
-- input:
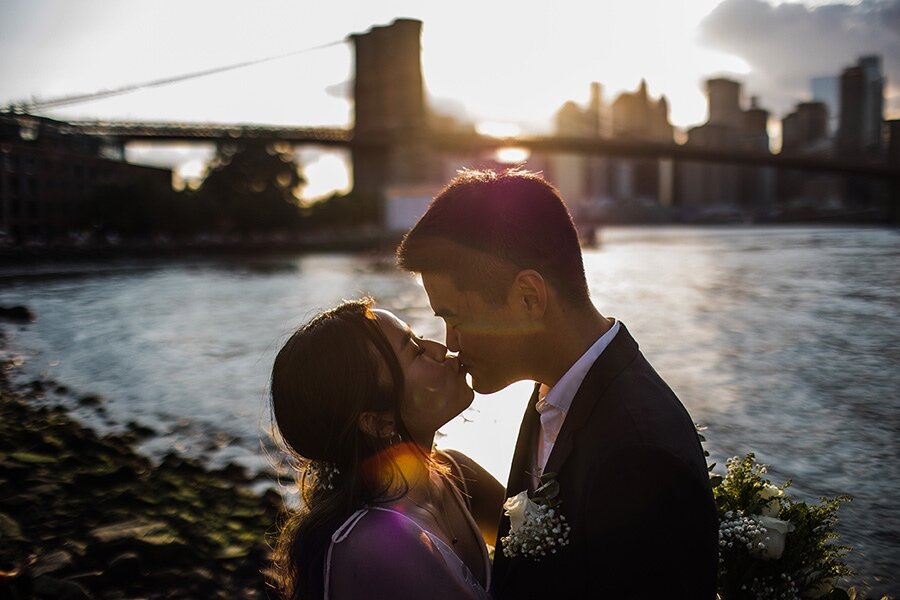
(79, 98)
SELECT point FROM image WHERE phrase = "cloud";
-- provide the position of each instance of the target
(788, 44)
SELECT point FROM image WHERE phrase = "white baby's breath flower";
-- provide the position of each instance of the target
(535, 529)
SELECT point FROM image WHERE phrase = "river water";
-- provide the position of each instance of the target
(782, 341)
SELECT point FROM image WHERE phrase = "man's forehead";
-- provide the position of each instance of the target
(443, 294)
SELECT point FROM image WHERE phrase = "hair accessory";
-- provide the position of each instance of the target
(324, 472)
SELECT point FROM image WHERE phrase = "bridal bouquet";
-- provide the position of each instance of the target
(771, 546)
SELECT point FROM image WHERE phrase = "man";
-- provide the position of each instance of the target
(500, 262)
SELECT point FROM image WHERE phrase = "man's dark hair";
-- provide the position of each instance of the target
(513, 220)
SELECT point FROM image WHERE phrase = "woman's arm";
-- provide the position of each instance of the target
(486, 493)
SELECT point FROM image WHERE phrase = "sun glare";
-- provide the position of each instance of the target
(512, 155)
(498, 129)
(325, 174)
(189, 173)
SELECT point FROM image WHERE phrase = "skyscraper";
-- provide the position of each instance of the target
(729, 126)
(862, 107)
(827, 91)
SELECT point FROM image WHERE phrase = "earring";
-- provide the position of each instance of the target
(394, 438)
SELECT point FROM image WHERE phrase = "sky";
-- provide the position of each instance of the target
(498, 61)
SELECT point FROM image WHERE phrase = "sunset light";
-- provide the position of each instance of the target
(513, 155)
(544, 62)
(612, 225)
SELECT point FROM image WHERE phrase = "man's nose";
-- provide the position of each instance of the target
(452, 340)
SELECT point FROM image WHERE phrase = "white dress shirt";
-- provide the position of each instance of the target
(555, 404)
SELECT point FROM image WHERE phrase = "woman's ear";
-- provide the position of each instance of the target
(377, 424)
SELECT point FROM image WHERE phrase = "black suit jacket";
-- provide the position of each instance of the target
(634, 488)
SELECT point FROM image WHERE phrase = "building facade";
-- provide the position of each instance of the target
(599, 187)
(705, 188)
(861, 116)
(48, 172)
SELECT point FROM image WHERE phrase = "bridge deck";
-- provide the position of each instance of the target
(336, 136)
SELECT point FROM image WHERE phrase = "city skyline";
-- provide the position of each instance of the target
(480, 63)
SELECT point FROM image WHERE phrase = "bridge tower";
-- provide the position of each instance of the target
(391, 119)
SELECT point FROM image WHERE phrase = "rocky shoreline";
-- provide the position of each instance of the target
(85, 515)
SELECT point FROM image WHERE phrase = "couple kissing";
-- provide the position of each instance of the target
(608, 493)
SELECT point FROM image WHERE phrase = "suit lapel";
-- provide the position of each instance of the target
(524, 454)
(620, 352)
(518, 480)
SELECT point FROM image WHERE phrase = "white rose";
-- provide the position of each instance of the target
(773, 539)
(517, 508)
(773, 506)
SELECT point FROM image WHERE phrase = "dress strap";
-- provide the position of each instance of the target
(339, 535)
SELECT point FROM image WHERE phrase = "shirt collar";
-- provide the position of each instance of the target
(563, 393)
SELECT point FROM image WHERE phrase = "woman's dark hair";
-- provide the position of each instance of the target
(329, 372)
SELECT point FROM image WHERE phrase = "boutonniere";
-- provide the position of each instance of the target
(536, 527)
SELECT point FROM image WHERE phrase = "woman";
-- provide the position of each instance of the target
(357, 397)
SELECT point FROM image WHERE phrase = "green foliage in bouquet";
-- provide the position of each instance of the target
(771, 546)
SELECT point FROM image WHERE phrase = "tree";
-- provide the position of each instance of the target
(347, 211)
(253, 187)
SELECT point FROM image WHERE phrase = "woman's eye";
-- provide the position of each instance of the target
(420, 350)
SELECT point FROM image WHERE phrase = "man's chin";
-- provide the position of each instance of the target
(487, 387)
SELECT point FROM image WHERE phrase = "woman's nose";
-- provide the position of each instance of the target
(436, 350)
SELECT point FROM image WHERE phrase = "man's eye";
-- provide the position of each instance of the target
(420, 350)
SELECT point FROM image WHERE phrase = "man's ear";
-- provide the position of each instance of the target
(377, 424)
(530, 293)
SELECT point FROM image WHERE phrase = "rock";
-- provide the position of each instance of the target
(75, 547)
(9, 528)
(46, 587)
(53, 563)
(233, 472)
(32, 458)
(218, 441)
(90, 580)
(273, 500)
(181, 465)
(90, 400)
(136, 529)
(125, 569)
(141, 431)
(16, 314)
(252, 562)
(106, 478)
(154, 541)
(15, 582)
(197, 580)
(118, 525)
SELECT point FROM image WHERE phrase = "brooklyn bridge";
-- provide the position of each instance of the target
(394, 142)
